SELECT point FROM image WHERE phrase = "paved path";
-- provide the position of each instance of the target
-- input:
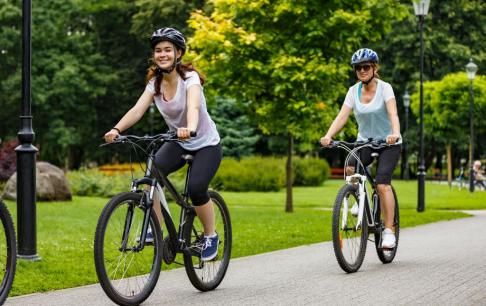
(437, 264)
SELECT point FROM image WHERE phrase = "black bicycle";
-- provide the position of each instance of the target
(127, 266)
(8, 253)
(355, 215)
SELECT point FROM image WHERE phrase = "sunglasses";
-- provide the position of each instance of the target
(365, 67)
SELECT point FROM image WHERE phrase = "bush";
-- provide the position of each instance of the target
(310, 171)
(251, 174)
(93, 182)
(8, 159)
(268, 173)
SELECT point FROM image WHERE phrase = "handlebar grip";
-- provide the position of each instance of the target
(193, 134)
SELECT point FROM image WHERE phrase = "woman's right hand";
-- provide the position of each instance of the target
(325, 141)
(111, 135)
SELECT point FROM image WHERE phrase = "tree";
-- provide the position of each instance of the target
(89, 61)
(453, 33)
(287, 61)
(446, 111)
(237, 134)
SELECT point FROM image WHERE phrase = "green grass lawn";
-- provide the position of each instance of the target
(66, 229)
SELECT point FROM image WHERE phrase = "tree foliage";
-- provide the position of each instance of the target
(446, 109)
(287, 61)
(238, 135)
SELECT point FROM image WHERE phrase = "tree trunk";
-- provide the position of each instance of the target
(75, 157)
(290, 147)
(449, 165)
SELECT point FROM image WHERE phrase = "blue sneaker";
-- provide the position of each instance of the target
(149, 238)
(210, 248)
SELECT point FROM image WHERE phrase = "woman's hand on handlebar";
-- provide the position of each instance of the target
(184, 133)
(392, 139)
(111, 135)
(325, 141)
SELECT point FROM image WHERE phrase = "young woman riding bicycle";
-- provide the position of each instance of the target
(373, 103)
(176, 90)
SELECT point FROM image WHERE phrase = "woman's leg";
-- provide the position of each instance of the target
(387, 204)
(204, 166)
(205, 213)
(167, 160)
(386, 164)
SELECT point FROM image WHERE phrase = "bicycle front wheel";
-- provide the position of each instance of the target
(127, 275)
(8, 253)
(207, 275)
(349, 242)
(387, 255)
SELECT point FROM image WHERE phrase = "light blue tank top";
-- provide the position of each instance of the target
(372, 117)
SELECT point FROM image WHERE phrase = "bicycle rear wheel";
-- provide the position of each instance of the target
(207, 275)
(8, 253)
(128, 276)
(349, 243)
(387, 255)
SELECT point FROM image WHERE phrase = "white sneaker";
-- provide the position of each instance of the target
(355, 209)
(388, 239)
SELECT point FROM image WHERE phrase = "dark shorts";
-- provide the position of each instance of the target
(204, 166)
(387, 161)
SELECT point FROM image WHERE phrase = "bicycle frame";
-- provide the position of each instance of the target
(176, 237)
(360, 180)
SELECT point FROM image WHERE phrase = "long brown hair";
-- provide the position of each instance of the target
(181, 68)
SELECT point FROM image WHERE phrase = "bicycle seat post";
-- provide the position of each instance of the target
(188, 158)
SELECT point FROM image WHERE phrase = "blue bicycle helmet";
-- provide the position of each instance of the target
(364, 55)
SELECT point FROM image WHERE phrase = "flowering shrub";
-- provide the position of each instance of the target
(8, 159)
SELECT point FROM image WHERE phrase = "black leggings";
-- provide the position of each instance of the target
(204, 166)
(387, 161)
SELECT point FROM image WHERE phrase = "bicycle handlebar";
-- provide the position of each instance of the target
(169, 136)
(375, 143)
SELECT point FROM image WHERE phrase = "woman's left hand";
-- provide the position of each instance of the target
(183, 133)
(392, 139)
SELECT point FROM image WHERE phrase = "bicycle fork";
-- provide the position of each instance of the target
(360, 181)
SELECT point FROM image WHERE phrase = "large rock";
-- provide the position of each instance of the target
(51, 184)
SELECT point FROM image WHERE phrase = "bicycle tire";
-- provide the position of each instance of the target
(349, 244)
(8, 261)
(387, 256)
(137, 275)
(207, 275)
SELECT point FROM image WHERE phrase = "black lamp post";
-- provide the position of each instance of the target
(471, 69)
(26, 210)
(406, 104)
(421, 8)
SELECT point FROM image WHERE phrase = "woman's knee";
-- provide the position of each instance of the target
(383, 188)
(198, 192)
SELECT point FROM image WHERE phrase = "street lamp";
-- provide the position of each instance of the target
(26, 208)
(471, 69)
(406, 104)
(421, 8)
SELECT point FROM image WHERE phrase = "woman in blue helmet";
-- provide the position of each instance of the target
(373, 103)
(176, 90)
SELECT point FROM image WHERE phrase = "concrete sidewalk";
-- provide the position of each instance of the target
(442, 263)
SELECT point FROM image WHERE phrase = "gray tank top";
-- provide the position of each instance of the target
(175, 113)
